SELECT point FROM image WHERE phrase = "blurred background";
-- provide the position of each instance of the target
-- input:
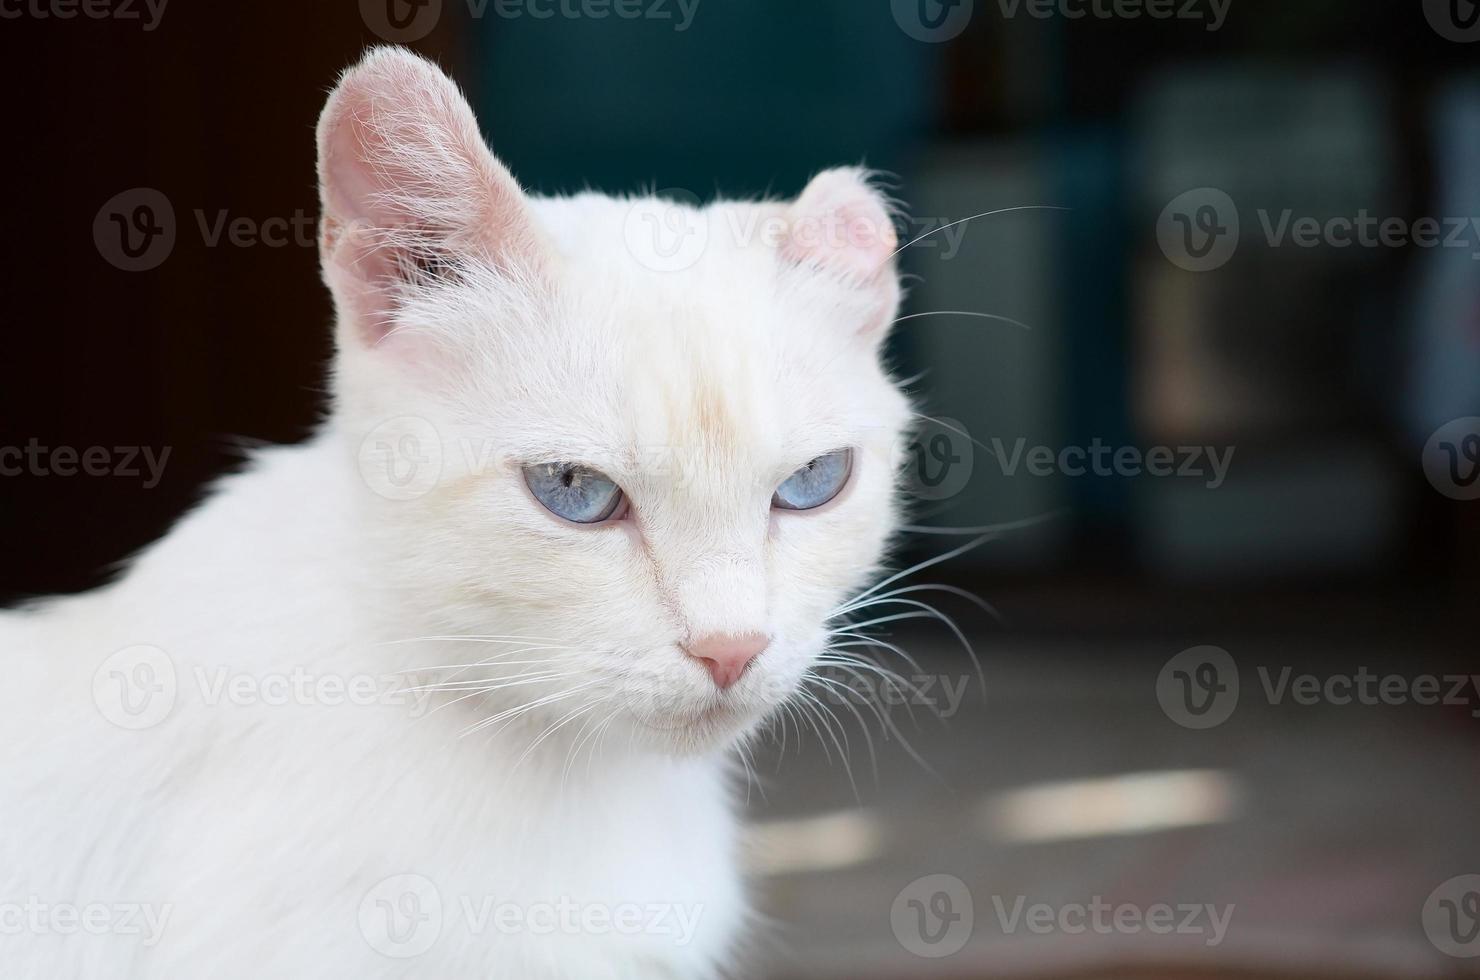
(1202, 367)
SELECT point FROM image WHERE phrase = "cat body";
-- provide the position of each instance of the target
(372, 710)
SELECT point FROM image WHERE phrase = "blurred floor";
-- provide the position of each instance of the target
(1325, 828)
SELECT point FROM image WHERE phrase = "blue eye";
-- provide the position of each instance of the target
(816, 483)
(576, 493)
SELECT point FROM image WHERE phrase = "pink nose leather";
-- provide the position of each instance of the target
(726, 656)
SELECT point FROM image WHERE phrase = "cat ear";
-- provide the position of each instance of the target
(409, 191)
(842, 225)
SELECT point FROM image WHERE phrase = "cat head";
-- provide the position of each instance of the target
(644, 450)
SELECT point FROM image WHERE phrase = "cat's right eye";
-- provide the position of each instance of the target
(576, 493)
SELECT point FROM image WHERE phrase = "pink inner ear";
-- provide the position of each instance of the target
(842, 225)
(405, 178)
(840, 222)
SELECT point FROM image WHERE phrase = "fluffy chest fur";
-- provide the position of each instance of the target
(295, 807)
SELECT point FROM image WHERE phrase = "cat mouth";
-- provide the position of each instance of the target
(716, 716)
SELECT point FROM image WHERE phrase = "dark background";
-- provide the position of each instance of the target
(1327, 370)
(222, 346)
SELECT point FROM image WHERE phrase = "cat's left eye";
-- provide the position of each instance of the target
(816, 483)
(578, 494)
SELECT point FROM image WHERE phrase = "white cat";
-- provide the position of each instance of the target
(449, 691)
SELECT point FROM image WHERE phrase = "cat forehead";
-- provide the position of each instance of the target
(715, 279)
(730, 354)
(632, 379)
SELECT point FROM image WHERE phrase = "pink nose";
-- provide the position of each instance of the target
(726, 656)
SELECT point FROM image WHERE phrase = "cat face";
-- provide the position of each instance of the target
(646, 487)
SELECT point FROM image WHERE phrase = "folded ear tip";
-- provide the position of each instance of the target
(844, 219)
(855, 182)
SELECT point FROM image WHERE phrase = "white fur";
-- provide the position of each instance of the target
(261, 828)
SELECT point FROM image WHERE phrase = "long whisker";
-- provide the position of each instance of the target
(866, 640)
(929, 562)
(984, 214)
(826, 713)
(886, 720)
(991, 530)
(983, 316)
(470, 638)
(970, 597)
(835, 685)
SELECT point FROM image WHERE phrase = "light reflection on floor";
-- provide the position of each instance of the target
(1323, 828)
